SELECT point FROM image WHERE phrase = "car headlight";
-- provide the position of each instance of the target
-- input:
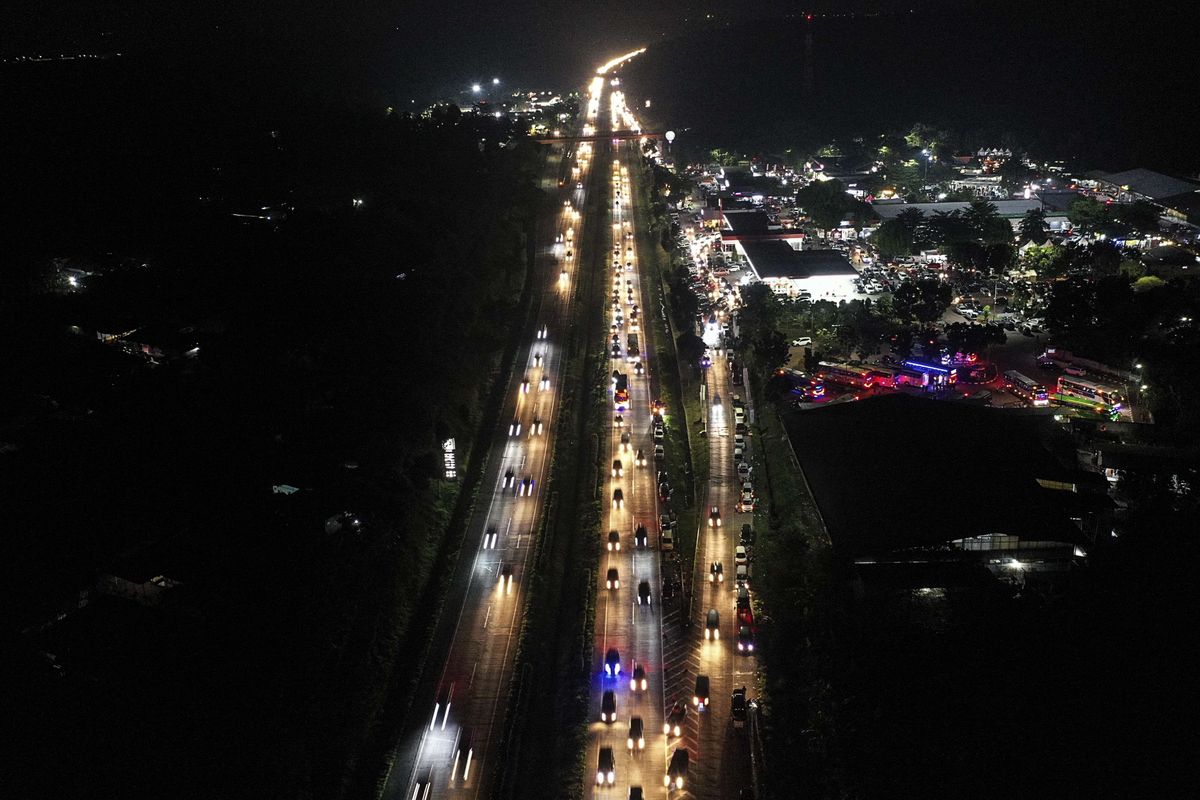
(679, 782)
(666, 728)
(695, 700)
(599, 778)
(629, 743)
(612, 777)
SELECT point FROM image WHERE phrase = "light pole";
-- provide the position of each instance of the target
(925, 152)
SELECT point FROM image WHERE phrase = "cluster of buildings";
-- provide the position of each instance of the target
(753, 208)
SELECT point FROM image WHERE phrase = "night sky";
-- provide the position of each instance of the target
(420, 46)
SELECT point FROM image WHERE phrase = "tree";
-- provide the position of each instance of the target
(921, 300)
(1088, 213)
(971, 338)
(825, 202)
(1034, 227)
(893, 238)
(690, 347)
(1047, 260)
(1148, 283)
(1139, 215)
(986, 224)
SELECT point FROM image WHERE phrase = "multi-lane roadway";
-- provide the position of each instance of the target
(450, 749)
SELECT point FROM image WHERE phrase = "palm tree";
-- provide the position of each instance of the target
(1034, 226)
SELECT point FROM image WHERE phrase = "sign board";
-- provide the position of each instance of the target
(448, 460)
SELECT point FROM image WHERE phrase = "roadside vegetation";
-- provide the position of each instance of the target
(321, 339)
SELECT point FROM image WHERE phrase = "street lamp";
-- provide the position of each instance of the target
(925, 152)
(476, 88)
(495, 81)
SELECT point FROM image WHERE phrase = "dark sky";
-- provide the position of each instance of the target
(417, 46)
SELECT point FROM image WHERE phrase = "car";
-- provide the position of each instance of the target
(716, 572)
(664, 491)
(543, 332)
(525, 385)
(618, 421)
(537, 360)
(612, 663)
(510, 479)
(643, 593)
(659, 433)
(490, 537)
(743, 470)
(675, 719)
(640, 459)
(618, 500)
(737, 707)
(638, 683)
(741, 428)
(746, 502)
(608, 707)
(606, 767)
(612, 579)
(514, 428)
(544, 383)
(660, 453)
(526, 489)
(746, 537)
(745, 639)
(535, 427)
(464, 750)
(423, 787)
(740, 556)
(505, 584)
(714, 517)
(737, 454)
(640, 536)
(712, 625)
(618, 469)
(677, 770)
(441, 707)
(741, 574)
(637, 734)
(700, 696)
(625, 442)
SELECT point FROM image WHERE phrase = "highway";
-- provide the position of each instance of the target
(447, 748)
(634, 629)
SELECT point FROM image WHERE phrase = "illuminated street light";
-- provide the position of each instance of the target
(476, 88)
(495, 81)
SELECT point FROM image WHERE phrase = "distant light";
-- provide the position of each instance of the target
(496, 115)
(495, 81)
(476, 88)
(357, 202)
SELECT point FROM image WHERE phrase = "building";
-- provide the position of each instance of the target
(823, 274)
(1012, 210)
(1179, 199)
(900, 486)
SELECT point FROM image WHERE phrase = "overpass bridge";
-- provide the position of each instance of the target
(615, 136)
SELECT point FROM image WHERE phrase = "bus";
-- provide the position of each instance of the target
(934, 373)
(1104, 399)
(620, 391)
(632, 351)
(845, 374)
(1026, 388)
(895, 376)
